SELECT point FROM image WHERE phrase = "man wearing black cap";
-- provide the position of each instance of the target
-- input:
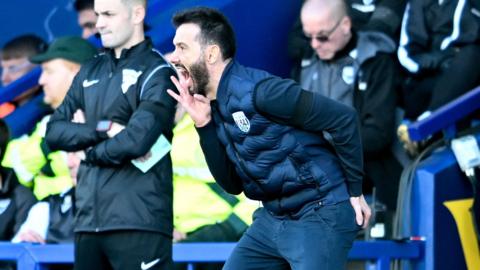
(115, 111)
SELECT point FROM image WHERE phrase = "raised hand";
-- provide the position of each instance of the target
(197, 106)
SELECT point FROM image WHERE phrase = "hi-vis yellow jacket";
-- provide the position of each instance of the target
(35, 165)
(198, 200)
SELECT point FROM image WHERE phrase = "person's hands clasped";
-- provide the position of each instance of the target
(197, 106)
(362, 210)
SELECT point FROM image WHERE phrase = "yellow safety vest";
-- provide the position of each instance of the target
(198, 199)
(25, 156)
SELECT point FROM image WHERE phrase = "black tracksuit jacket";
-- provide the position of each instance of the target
(112, 194)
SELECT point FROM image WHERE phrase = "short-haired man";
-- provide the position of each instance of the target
(265, 136)
(86, 17)
(115, 111)
(15, 63)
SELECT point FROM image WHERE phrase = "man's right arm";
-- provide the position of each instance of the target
(222, 169)
(200, 110)
(62, 133)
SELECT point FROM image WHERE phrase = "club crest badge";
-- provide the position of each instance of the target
(242, 121)
(129, 78)
(348, 75)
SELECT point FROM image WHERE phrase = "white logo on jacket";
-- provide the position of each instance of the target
(86, 83)
(348, 75)
(129, 78)
(145, 266)
(242, 121)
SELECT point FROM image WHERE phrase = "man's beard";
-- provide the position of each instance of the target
(200, 77)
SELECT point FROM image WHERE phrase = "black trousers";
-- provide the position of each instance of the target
(123, 250)
(429, 91)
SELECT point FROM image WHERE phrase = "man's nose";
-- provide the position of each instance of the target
(100, 22)
(314, 43)
(173, 57)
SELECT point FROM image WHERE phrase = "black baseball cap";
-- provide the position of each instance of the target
(71, 48)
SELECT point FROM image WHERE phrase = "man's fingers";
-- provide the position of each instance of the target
(366, 221)
(186, 83)
(367, 213)
(201, 98)
(174, 95)
(358, 215)
(179, 86)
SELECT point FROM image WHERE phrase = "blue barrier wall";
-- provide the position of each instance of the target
(30, 257)
(438, 179)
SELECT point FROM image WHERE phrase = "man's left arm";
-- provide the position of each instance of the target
(153, 117)
(285, 102)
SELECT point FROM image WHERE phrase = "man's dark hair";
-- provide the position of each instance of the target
(23, 46)
(81, 5)
(214, 28)
(4, 138)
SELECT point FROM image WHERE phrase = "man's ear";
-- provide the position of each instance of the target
(346, 24)
(213, 54)
(138, 14)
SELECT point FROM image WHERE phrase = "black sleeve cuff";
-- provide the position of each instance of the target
(355, 189)
(207, 129)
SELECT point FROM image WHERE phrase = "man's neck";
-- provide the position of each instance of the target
(215, 78)
(135, 40)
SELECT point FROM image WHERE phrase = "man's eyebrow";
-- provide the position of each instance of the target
(105, 12)
(181, 43)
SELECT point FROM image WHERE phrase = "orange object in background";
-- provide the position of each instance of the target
(6, 109)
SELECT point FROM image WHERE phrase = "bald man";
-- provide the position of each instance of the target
(115, 111)
(372, 15)
(357, 69)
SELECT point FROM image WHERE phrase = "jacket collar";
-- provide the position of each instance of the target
(146, 44)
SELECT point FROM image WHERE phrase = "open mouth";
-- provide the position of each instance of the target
(182, 70)
(185, 76)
